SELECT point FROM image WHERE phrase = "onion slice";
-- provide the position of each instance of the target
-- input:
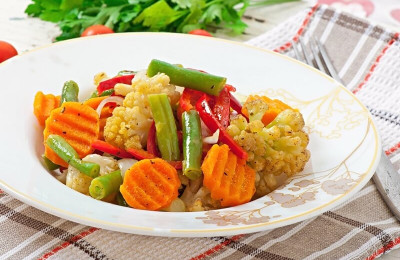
(212, 139)
(125, 164)
(114, 99)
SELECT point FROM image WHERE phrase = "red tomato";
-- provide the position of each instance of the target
(200, 32)
(6, 51)
(96, 29)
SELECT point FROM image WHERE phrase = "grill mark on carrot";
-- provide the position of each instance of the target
(75, 122)
(161, 181)
(71, 108)
(144, 198)
(82, 146)
(229, 171)
(235, 191)
(78, 137)
(130, 190)
(220, 167)
(127, 193)
(226, 181)
(164, 186)
(211, 158)
(150, 185)
(249, 174)
(166, 174)
(232, 166)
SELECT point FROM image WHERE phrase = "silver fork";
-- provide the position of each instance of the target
(386, 177)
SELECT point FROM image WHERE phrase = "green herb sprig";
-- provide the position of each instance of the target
(182, 16)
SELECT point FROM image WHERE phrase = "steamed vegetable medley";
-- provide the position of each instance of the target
(143, 142)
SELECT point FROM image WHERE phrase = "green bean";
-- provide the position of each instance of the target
(69, 92)
(192, 144)
(94, 94)
(107, 92)
(49, 164)
(102, 186)
(166, 135)
(66, 152)
(121, 201)
(188, 78)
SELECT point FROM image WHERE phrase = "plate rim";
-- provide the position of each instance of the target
(126, 228)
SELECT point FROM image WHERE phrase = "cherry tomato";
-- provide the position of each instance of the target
(96, 29)
(200, 32)
(6, 51)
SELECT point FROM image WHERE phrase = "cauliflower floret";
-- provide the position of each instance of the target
(289, 118)
(197, 197)
(130, 123)
(122, 89)
(80, 182)
(99, 77)
(256, 109)
(107, 164)
(276, 151)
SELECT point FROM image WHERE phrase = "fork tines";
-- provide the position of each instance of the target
(317, 57)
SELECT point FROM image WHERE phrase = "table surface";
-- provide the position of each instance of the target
(28, 33)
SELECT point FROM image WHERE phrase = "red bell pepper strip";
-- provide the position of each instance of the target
(209, 119)
(176, 164)
(140, 154)
(180, 138)
(187, 102)
(230, 88)
(222, 107)
(236, 105)
(108, 148)
(189, 98)
(110, 83)
(151, 141)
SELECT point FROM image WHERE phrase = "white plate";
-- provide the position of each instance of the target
(344, 143)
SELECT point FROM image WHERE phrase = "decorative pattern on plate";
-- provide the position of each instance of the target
(326, 117)
(330, 114)
(232, 217)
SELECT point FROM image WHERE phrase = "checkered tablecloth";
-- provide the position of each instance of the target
(367, 58)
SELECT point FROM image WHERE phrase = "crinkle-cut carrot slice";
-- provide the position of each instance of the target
(229, 179)
(77, 123)
(150, 184)
(43, 105)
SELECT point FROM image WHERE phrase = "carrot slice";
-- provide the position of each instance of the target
(229, 179)
(77, 123)
(275, 106)
(43, 105)
(94, 102)
(150, 184)
(106, 112)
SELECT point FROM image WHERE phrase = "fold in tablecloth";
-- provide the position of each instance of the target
(367, 57)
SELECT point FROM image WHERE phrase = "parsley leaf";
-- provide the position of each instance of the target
(183, 3)
(157, 16)
(74, 16)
